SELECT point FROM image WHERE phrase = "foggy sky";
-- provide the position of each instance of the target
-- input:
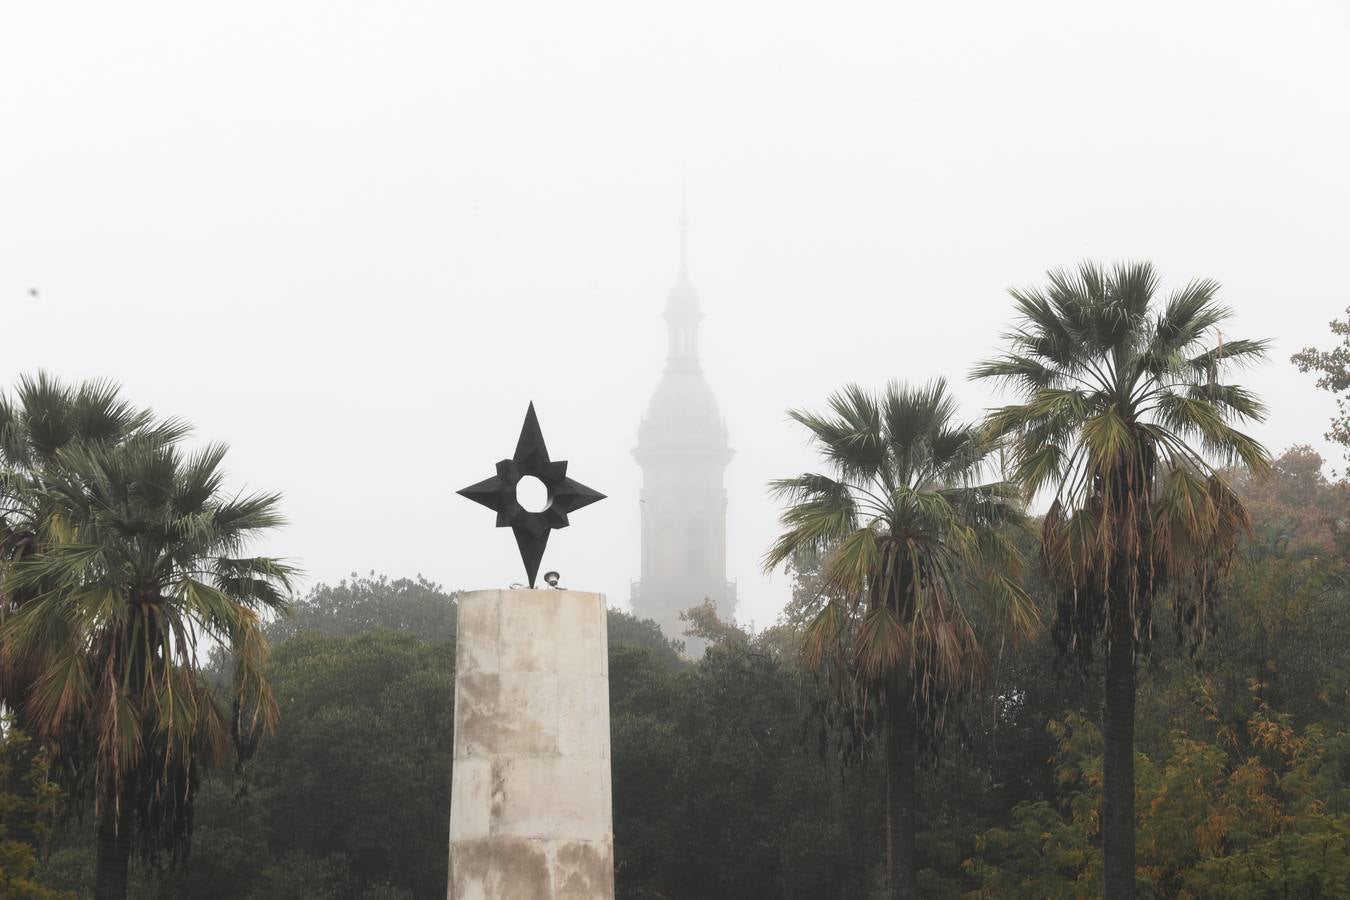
(355, 239)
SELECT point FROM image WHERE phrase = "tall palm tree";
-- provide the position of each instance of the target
(43, 417)
(910, 539)
(1123, 414)
(139, 563)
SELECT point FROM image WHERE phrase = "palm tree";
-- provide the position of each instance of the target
(44, 417)
(1123, 414)
(138, 566)
(909, 539)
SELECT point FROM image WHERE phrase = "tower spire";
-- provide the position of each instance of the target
(682, 308)
(684, 235)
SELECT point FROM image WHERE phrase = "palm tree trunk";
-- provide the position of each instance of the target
(902, 865)
(114, 851)
(1118, 761)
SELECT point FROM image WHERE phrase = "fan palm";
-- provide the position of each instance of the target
(43, 417)
(909, 540)
(138, 563)
(1123, 414)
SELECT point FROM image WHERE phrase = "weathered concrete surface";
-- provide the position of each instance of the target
(531, 810)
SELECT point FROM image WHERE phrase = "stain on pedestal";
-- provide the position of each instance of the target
(500, 869)
(584, 870)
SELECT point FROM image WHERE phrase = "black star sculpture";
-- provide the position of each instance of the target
(499, 493)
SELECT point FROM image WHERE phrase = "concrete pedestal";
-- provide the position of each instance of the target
(531, 815)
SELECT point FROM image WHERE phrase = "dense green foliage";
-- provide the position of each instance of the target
(359, 604)
(729, 783)
(34, 807)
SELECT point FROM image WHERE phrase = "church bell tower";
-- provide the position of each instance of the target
(683, 451)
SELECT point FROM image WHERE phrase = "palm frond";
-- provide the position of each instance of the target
(883, 643)
(854, 562)
(823, 633)
(1241, 351)
(823, 511)
(1188, 315)
(1018, 371)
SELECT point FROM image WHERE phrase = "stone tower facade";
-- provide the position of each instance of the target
(683, 451)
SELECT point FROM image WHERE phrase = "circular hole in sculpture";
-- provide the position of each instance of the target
(531, 494)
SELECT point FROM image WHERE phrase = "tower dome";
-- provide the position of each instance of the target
(683, 416)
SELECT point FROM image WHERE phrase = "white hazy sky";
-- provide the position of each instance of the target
(354, 239)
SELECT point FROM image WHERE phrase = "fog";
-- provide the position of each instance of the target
(354, 240)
